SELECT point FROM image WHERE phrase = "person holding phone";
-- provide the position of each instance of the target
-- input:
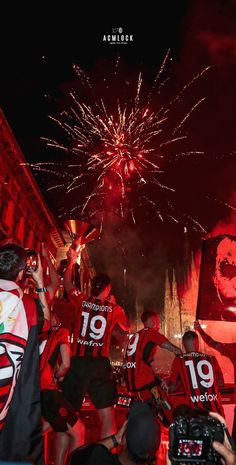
(20, 413)
(52, 281)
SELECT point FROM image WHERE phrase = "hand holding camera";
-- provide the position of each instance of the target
(227, 450)
(191, 440)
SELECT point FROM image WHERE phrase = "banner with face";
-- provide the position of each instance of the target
(217, 281)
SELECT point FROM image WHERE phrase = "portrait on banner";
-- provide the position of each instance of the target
(217, 280)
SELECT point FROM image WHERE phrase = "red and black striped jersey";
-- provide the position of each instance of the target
(95, 320)
(199, 375)
(138, 357)
(50, 355)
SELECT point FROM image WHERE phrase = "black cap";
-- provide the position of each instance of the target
(142, 432)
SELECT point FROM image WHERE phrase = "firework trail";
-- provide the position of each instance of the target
(115, 151)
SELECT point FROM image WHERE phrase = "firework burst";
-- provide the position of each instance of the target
(116, 152)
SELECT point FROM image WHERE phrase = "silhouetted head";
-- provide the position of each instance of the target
(12, 262)
(143, 434)
(101, 283)
(190, 341)
(151, 319)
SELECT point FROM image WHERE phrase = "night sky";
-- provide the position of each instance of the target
(36, 76)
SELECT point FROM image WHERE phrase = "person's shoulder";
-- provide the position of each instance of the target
(212, 358)
(28, 298)
(116, 307)
(203, 355)
(30, 303)
(31, 309)
(154, 333)
(179, 357)
(149, 333)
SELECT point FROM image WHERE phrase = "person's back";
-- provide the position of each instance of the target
(138, 357)
(90, 370)
(199, 375)
(95, 319)
(227, 349)
(140, 352)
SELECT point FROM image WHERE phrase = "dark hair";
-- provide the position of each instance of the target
(148, 314)
(189, 336)
(12, 261)
(99, 283)
(184, 410)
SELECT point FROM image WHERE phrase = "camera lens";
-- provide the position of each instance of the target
(196, 430)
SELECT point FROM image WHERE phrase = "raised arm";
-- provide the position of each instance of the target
(121, 318)
(67, 278)
(54, 284)
(206, 338)
(38, 277)
(65, 362)
(171, 347)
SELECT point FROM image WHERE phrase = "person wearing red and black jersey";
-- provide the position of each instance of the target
(198, 375)
(90, 371)
(227, 349)
(57, 411)
(139, 375)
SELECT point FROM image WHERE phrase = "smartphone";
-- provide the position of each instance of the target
(32, 260)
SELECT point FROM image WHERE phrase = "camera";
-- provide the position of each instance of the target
(32, 261)
(190, 440)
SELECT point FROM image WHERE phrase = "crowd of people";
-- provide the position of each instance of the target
(45, 371)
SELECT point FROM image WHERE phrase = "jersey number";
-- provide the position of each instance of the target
(132, 345)
(207, 379)
(96, 332)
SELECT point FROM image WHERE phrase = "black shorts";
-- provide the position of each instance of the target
(92, 375)
(57, 410)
